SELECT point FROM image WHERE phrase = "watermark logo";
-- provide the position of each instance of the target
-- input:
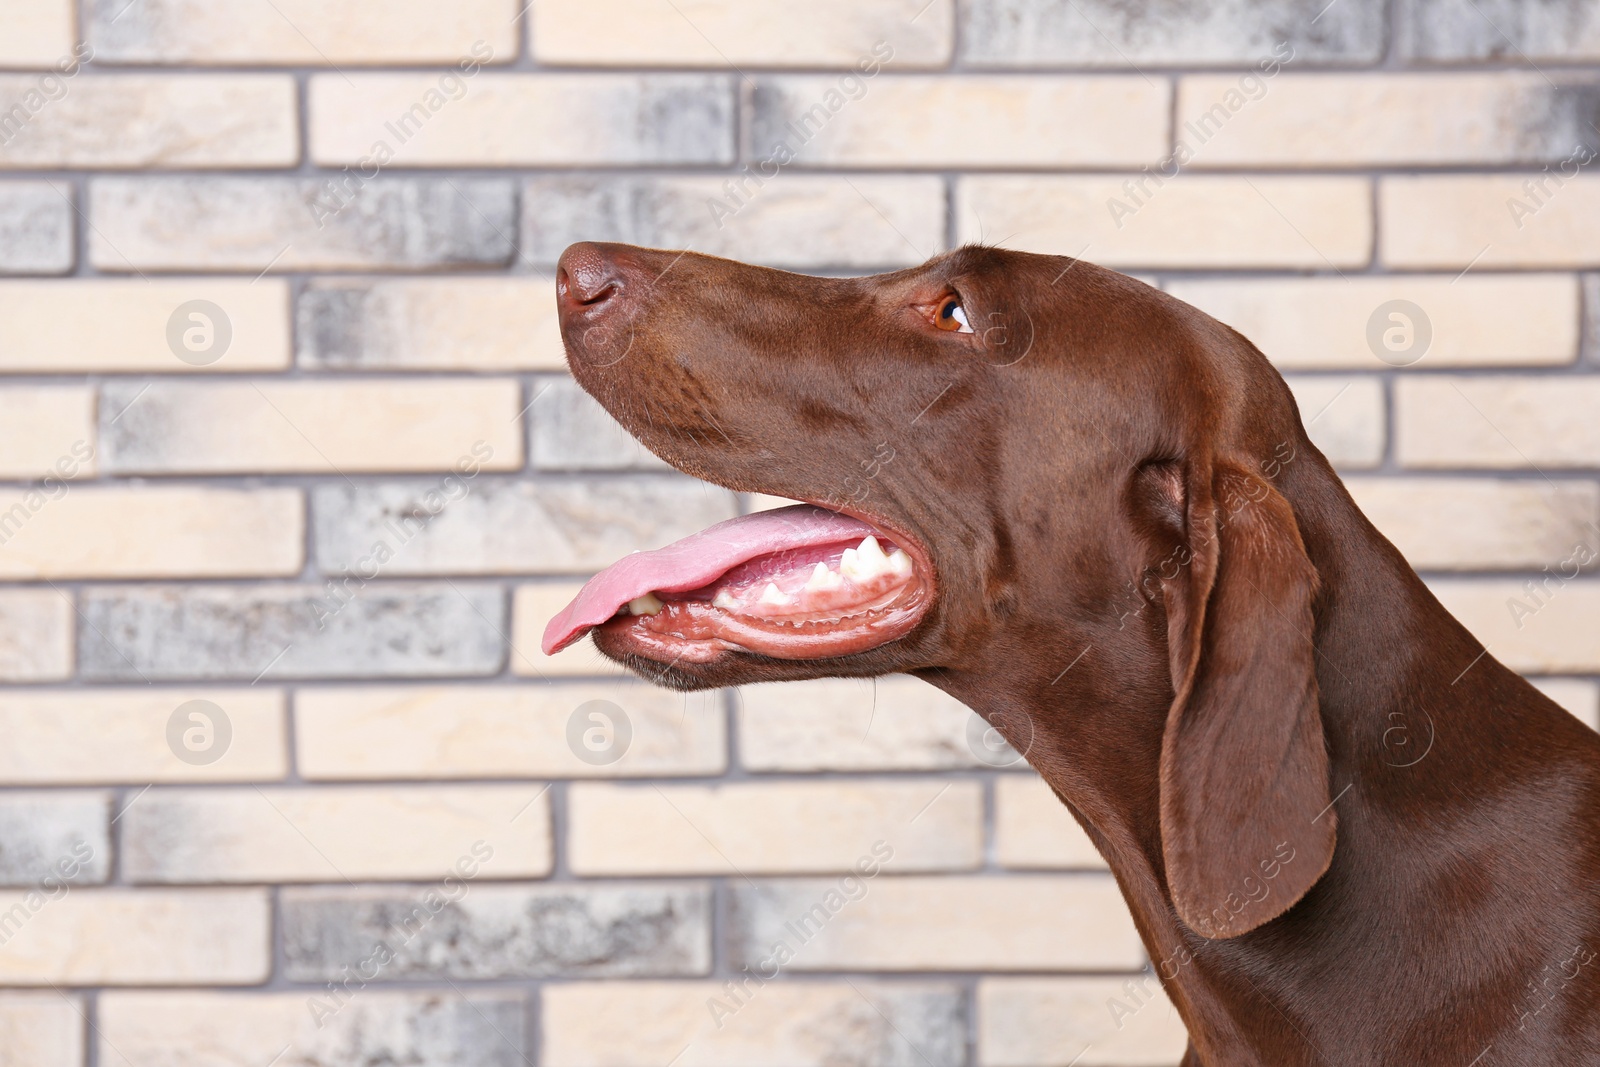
(199, 332)
(1399, 332)
(599, 732)
(743, 187)
(1003, 740)
(199, 732)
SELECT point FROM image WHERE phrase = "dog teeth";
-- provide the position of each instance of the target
(822, 580)
(644, 605)
(868, 561)
(775, 596)
(725, 601)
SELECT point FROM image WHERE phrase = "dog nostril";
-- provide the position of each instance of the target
(587, 277)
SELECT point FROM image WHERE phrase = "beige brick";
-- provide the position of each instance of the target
(1500, 422)
(483, 1028)
(1344, 417)
(35, 33)
(333, 834)
(1033, 829)
(84, 736)
(35, 635)
(1542, 625)
(425, 119)
(745, 828)
(49, 431)
(1480, 320)
(532, 608)
(1191, 221)
(102, 324)
(318, 427)
(1490, 220)
(761, 33)
(985, 121)
(341, 221)
(1577, 695)
(1481, 524)
(852, 724)
(138, 937)
(155, 121)
(63, 531)
(1104, 1022)
(304, 32)
(797, 1024)
(792, 220)
(1361, 120)
(494, 324)
(971, 923)
(41, 1030)
(505, 731)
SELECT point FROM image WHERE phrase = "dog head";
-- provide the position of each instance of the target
(1009, 460)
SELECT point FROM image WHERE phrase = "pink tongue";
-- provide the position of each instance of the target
(696, 561)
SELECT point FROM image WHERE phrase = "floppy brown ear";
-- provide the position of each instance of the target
(1246, 825)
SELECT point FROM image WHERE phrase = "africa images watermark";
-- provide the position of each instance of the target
(1252, 86)
(1553, 577)
(353, 977)
(800, 931)
(400, 531)
(1538, 192)
(801, 131)
(50, 87)
(53, 486)
(53, 886)
(340, 192)
(1137, 994)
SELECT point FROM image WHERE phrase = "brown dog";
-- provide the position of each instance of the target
(1347, 836)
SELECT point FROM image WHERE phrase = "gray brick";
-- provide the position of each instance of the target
(144, 633)
(500, 931)
(316, 1028)
(35, 229)
(390, 222)
(569, 430)
(1517, 31)
(503, 526)
(787, 220)
(56, 835)
(1114, 33)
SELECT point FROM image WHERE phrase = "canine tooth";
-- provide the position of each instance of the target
(773, 595)
(899, 564)
(724, 600)
(644, 605)
(822, 579)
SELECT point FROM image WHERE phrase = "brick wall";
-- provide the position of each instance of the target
(291, 476)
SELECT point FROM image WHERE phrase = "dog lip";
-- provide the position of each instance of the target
(698, 562)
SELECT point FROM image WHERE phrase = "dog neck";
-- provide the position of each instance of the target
(1414, 715)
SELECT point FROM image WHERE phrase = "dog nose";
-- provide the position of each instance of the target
(586, 277)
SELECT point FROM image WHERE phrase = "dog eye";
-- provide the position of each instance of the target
(952, 316)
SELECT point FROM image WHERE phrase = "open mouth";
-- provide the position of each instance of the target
(799, 582)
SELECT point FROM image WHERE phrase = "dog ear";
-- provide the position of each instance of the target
(1246, 823)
